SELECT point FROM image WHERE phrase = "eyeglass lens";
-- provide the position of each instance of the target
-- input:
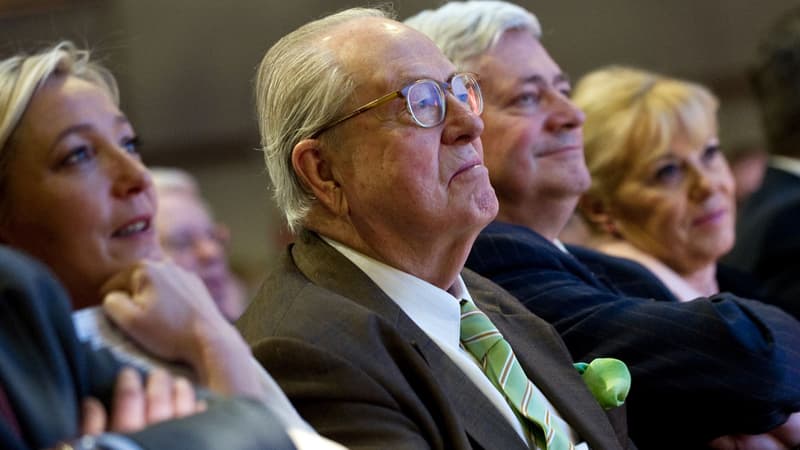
(426, 99)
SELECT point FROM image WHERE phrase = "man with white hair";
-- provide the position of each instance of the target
(368, 321)
(708, 368)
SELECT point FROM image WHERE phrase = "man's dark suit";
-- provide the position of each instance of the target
(768, 241)
(362, 373)
(633, 279)
(718, 366)
(46, 373)
(622, 275)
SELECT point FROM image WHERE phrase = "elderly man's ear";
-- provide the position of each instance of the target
(315, 170)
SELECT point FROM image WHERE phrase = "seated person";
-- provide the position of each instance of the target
(76, 196)
(767, 242)
(371, 139)
(725, 366)
(192, 240)
(52, 386)
(748, 161)
(662, 193)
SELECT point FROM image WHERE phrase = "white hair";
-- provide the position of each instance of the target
(170, 179)
(464, 30)
(300, 86)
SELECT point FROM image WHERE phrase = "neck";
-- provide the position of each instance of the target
(704, 280)
(547, 216)
(437, 260)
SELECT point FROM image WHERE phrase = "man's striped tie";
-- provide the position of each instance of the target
(498, 362)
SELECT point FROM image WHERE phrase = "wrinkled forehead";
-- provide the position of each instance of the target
(517, 58)
(382, 54)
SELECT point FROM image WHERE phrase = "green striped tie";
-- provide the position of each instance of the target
(498, 362)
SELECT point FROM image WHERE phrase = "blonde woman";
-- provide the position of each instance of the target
(662, 193)
(75, 195)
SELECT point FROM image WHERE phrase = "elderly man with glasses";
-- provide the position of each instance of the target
(369, 322)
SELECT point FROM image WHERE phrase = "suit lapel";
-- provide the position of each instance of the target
(585, 260)
(328, 268)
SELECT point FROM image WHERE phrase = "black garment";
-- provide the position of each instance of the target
(768, 241)
(623, 275)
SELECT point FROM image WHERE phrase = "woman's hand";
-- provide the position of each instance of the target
(170, 313)
(163, 307)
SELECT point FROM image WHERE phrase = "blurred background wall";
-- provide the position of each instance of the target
(185, 69)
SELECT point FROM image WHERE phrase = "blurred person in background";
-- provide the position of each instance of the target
(767, 241)
(748, 163)
(193, 240)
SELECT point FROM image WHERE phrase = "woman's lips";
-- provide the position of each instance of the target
(134, 227)
(711, 217)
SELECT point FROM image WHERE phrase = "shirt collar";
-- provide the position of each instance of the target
(791, 165)
(436, 311)
(560, 245)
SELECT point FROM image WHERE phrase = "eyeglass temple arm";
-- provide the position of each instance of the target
(373, 104)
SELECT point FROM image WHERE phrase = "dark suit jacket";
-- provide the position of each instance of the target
(622, 275)
(362, 373)
(719, 365)
(46, 373)
(768, 241)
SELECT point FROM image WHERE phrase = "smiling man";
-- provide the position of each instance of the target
(718, 367)
(372, 143)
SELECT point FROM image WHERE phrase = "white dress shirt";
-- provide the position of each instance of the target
(438, 313)
(785, 163)
(93, 327)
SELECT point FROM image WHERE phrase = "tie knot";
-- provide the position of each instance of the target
(478, 335)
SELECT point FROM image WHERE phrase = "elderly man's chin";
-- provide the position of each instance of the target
(482, 199)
